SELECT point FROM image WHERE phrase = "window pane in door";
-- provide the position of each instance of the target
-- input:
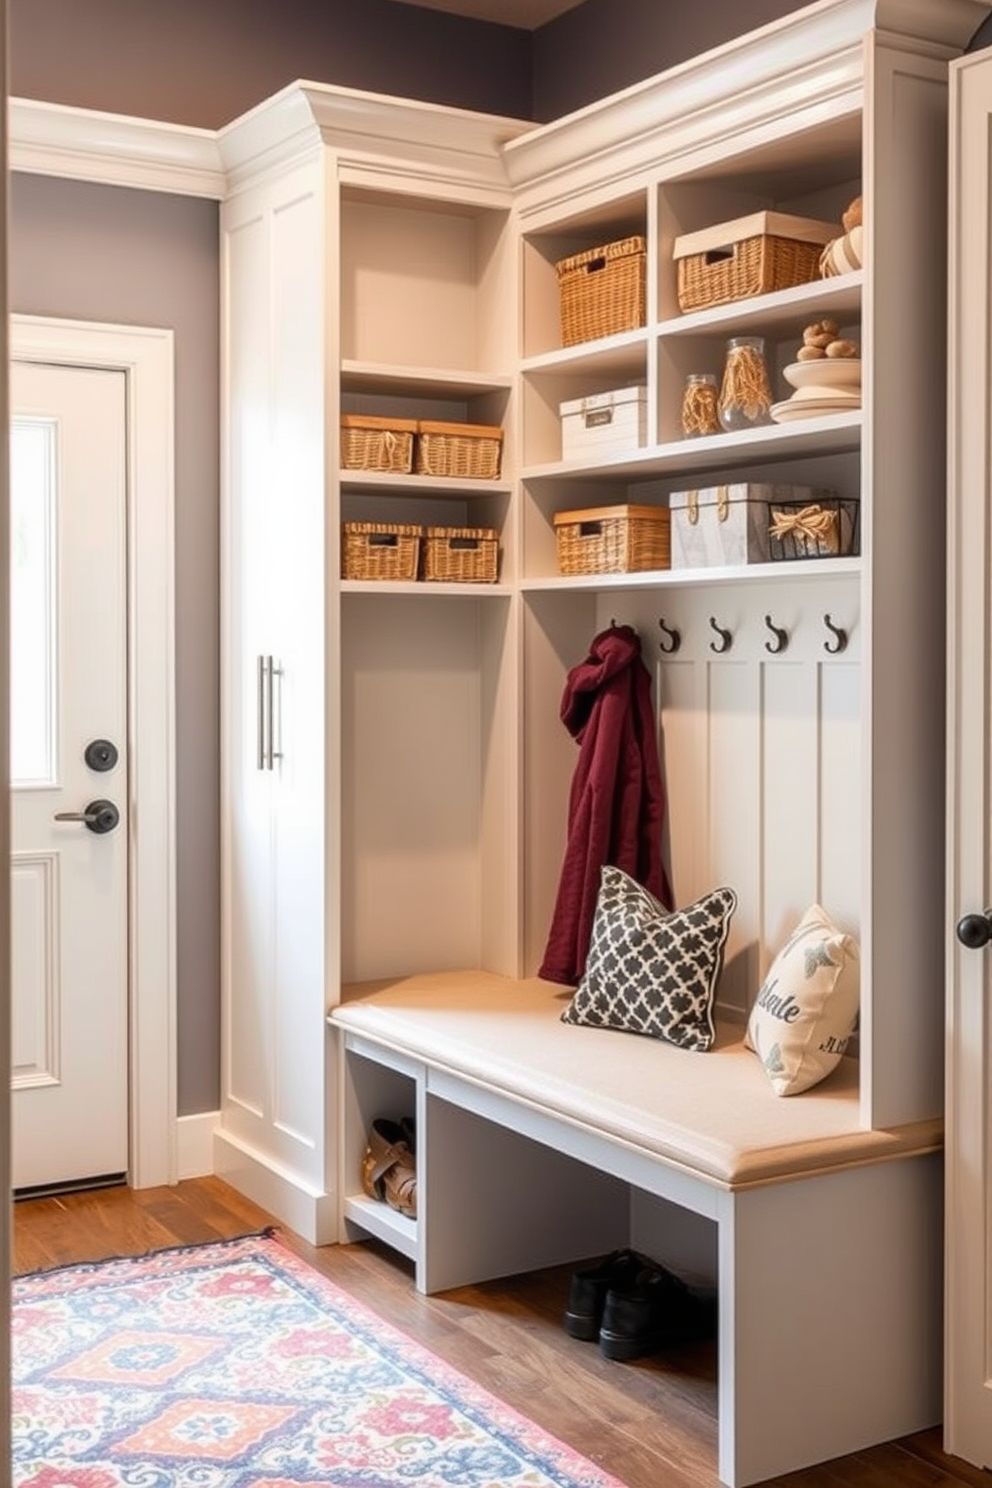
(33, 623)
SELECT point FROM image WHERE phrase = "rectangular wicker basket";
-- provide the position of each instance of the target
(613, 539)
(753, 255)
(370, 442)
(602, 291)
(463, 450)
(379, 550)
(461, 555)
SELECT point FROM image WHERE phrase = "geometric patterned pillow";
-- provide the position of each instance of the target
(806, 1010)
(649, 970)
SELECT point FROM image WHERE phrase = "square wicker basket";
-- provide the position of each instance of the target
(461, 555)
(465, 450)
(379, 550)
(751, 256)
(613, 539)
(369, 442)
(602, 291)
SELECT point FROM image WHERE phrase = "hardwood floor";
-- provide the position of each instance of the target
(651, 1423)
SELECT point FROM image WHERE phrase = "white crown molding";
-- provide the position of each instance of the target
(373, 136)
(52, 139)
(744, 86)
(739, 88)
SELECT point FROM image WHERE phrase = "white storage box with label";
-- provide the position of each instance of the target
(728, 526)
(603, 422)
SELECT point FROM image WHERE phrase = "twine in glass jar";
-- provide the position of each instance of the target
(700, 412)
(745, 393)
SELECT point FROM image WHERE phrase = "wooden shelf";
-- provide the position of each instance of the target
(840, 297)
(395, 379)
(621, 355)
(831, 434)
(384, 1223)
(827, 569)
(383, 588)
(386, 481)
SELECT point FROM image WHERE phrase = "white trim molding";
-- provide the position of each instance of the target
(146, 357)
(195, 1145)
(51, 139)
(747, 79)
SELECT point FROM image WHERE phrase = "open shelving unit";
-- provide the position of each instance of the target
(399, 259)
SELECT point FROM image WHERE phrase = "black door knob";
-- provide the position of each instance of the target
(100, 754)
(975, 930)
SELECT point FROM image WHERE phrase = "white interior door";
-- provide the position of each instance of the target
(69, 814)
(968, 1372)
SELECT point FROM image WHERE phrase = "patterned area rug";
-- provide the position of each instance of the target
(235, 1365)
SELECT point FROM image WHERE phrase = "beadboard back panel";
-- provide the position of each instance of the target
(761, 754)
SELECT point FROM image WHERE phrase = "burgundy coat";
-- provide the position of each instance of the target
(616, 805)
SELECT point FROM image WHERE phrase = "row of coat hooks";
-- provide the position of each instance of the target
(671, 638)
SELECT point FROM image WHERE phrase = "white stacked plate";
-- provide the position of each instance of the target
(824, 385)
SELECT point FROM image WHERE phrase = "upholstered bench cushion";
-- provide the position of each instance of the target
(713, 1114)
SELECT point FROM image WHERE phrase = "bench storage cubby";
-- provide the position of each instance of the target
(539, 1143)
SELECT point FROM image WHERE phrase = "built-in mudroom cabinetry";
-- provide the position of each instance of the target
(371, 764)
(396, 773)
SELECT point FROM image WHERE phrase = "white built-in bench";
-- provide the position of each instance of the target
(540, 1142)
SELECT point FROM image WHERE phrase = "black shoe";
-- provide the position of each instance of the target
(658, 1310)
(588, 1289)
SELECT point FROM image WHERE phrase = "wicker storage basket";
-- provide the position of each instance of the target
(602, 291)
(379, 550)
(613, 539)
(461, 555)
(750, 256)
(372, 443)
(826, 528)
(471, 450)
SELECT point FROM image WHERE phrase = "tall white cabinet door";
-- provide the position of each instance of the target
(273, 1134)
(968, 1374)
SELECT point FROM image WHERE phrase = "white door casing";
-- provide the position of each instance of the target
(68, 690)
(968, 1287)
(145, 357)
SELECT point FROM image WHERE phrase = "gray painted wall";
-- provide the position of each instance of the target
(136, 258)
(206, 61)
(605, 45)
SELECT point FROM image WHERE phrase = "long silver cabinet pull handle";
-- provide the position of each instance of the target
(272, 672)
(260, 713)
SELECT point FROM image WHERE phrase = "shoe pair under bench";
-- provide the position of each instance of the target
(634, 1306)
(389, 1167)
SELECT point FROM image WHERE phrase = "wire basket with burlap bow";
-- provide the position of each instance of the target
(816, 530)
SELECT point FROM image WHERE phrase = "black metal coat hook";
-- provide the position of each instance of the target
(726, 639)
(839, 642)
(781, 637)
(672, 638)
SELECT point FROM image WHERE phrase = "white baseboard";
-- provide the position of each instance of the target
(311, 1213)
(195, 1145)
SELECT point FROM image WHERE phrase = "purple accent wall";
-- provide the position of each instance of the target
(982, 37)
(203, 62)
(606, 45)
